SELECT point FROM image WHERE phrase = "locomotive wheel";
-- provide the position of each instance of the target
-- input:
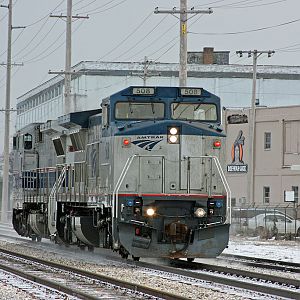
(190, 259)
(135, 258)
(123, 252)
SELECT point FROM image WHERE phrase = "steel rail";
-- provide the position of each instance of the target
(263, 260)
(238, 272)
(265, 265)
(106, 279)
(217, 279)
(253, 261)
(47, 283)
(238, 283)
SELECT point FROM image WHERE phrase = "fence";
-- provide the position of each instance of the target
(267, 221)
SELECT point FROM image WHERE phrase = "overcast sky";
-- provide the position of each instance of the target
(128, 30)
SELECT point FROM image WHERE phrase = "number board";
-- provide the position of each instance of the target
(143, 91)
(190, 92)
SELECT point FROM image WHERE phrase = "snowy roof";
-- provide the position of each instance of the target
(171, 69)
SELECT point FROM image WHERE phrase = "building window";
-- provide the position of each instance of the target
(267, 143)
(266, 195)
(295, 189)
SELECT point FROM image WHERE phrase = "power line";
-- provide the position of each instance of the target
(80, 1)
(33, 59)
(127, 37)
(164, 46)
(251, 6)
(14, 3)
(39, 30)
(33, 38)
(166, 51)
(46, 16)
(246, 31)
(143, 38)
(84, 6)
(175, 37)
(36, 59)
(153, 42)
(94, 11)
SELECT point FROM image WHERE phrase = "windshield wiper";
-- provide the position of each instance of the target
(152, 107)
(130, 107)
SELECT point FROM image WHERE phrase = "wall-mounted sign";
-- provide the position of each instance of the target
(237, 151)
(289, 196)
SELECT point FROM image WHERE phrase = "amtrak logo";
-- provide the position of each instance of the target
(146, 144)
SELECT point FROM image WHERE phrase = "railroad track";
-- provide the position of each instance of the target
(21, 288)
(263, 262)
(75, 282)
(237, 278)
(255, 281)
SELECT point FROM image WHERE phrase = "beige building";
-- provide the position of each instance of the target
(276, 154)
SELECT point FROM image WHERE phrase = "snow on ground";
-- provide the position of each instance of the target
(280, 250)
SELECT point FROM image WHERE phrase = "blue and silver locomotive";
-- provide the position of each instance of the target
(142, 176)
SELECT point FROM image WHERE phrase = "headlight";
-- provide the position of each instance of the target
(200, 212)
(150, 212)
(173, 139)
(173, 130)
(173, 135)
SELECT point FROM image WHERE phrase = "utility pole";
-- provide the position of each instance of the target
(252, 132)
(69, 106)
(183, 12)
(146, 73)
(5, 188)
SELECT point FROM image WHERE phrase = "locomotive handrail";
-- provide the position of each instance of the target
(52, 197)
(223, 178)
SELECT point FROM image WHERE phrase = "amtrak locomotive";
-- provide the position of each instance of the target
(142, 176)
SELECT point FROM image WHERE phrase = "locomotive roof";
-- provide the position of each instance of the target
(77, 118)
(161, 92)
(95, 120)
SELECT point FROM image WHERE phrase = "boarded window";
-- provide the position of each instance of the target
(292, 137)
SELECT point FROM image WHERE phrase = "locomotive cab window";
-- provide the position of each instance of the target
(194, 111)
(139, 110)
(27, 139)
